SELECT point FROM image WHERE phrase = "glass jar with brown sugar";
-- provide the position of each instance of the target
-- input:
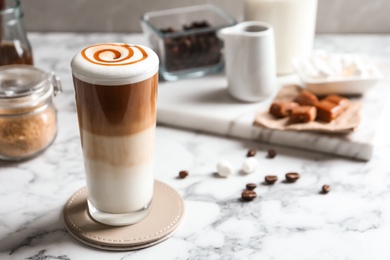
(28, 118)
(14, 45)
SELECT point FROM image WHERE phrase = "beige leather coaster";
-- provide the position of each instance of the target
(167, 209)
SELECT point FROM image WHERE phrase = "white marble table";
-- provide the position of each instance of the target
(286, 221)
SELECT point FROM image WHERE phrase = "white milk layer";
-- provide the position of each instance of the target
(117, 189)
(119, 170)
(294, 27)
(115, 64)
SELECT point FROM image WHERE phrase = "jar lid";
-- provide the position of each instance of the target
(23, 84)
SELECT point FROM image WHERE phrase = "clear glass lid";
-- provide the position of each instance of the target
(21, 84)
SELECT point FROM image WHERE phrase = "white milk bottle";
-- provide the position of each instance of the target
(294, 26)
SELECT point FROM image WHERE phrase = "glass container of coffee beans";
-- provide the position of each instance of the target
(28, 118)
(14, 45)
(186, 41)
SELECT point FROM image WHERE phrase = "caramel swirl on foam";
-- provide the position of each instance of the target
(111, 54)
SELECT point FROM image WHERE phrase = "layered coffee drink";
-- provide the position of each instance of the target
(116, 91)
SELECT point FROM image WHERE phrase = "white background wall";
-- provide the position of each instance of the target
(334, 16)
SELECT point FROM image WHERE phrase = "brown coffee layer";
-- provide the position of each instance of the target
(116, 110)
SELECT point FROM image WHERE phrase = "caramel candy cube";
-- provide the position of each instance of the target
(282, 108)
(328, 111)
(340, 101)
(306, 98)
(303, 114)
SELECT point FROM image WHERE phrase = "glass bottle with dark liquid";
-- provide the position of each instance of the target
(14, 45)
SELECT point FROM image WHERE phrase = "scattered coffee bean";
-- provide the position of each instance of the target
(248, 195)
(271, 154)
(251, 186)
(251, 153)
(292, 176)
(183, 174)
(325, 189)
(271, 179)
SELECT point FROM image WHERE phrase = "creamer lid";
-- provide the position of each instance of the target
(115, 64)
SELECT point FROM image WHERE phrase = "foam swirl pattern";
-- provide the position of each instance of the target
(114, 64)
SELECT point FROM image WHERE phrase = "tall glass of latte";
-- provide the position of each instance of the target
(116, 90)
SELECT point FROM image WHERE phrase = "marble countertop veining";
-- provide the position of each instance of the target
(286, 221)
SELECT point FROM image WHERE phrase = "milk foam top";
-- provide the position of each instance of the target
(115, 64)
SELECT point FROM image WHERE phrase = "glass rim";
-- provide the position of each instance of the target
(10, 9)
(228, 19)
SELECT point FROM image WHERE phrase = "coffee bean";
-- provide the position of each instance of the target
(248, 195)
(183, 174)
(271, 154)
(192, 50)
(271, 179)
(251, 153)
(325, 189)
(292, 176)
(251, 186)
(167, 30)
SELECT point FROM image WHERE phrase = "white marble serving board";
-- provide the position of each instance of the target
(204, 105)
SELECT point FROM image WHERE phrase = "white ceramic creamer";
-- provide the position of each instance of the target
(250, 60)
